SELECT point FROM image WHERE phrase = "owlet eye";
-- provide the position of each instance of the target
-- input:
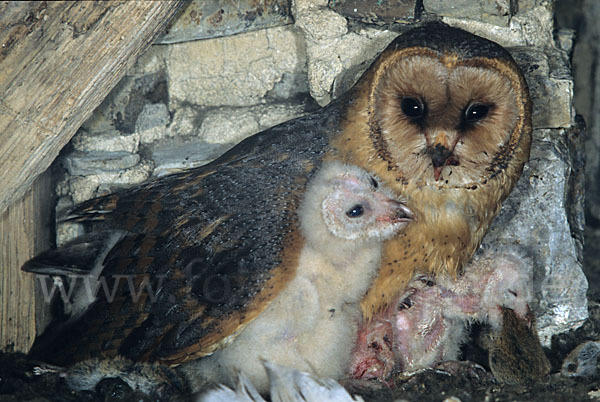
(476, 112)
(355, 211)
(413, 108)
(374, 183)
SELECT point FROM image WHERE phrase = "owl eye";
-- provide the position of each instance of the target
(355, 211)
(476, 112)
(374, 183)
(413, 108)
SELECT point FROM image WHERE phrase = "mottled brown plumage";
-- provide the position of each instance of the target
(216, 244)
(219, 242)
(444, 117)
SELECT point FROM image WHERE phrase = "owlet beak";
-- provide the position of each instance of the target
(403, 213)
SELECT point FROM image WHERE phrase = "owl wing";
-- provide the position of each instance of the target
(196, 255)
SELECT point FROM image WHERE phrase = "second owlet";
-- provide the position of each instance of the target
(426, 325)
(442, 117)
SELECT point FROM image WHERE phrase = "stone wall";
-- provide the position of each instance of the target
(581, 17)
(185, 103)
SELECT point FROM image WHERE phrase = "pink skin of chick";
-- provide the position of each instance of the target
(428, 323)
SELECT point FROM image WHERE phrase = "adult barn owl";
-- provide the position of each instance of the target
(442, 117)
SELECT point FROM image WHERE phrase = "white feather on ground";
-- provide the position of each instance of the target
(286, 385)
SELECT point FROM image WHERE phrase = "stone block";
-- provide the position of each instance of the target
(375, 12)
(322, 25)
(497, 12)
(202, 19)
(530, 27)
(550, 85)
(82, 188)
(533, 220)
(152, 61)
(185, 122)
(300, 6)
(333, 52)
(120, 109)
(151, 123)
(228, 125)
(174, 155)
(271, 115)
(107, 141)
(220, 129)
(152, 115)
(237, 70)
(335, 65)
(86, 163)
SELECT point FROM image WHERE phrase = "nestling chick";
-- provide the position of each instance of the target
(311, 325)
(427, 324)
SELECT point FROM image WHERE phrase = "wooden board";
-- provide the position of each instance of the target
(24, 231)
(58, 61)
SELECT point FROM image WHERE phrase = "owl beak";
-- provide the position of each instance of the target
(402, 213)
(441, 154)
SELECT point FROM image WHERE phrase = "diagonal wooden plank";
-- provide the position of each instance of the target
(58, 61)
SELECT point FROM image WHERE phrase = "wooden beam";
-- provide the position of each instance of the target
(58, 61)
(24, 231)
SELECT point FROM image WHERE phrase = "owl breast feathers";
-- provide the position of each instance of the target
(442, 117)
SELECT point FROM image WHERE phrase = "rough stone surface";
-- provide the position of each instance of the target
(494, 11)
(82, 188)
(533, 220)
(152, 115)
(151, 62)
(126, 101)
(203, 19)
(185, 122)
(110, 140)
(587, 90)
(550, 85)
(382, 11)
(321, 25)
(300, 6)
(87, 163)
(333, 52)
(228, 125)
(529, 27)
(271, 115)
(151, 123)
(173, 156)
(242, 69)
(231, 125)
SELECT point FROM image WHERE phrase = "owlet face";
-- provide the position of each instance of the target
(358, 207)
(442, 121)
